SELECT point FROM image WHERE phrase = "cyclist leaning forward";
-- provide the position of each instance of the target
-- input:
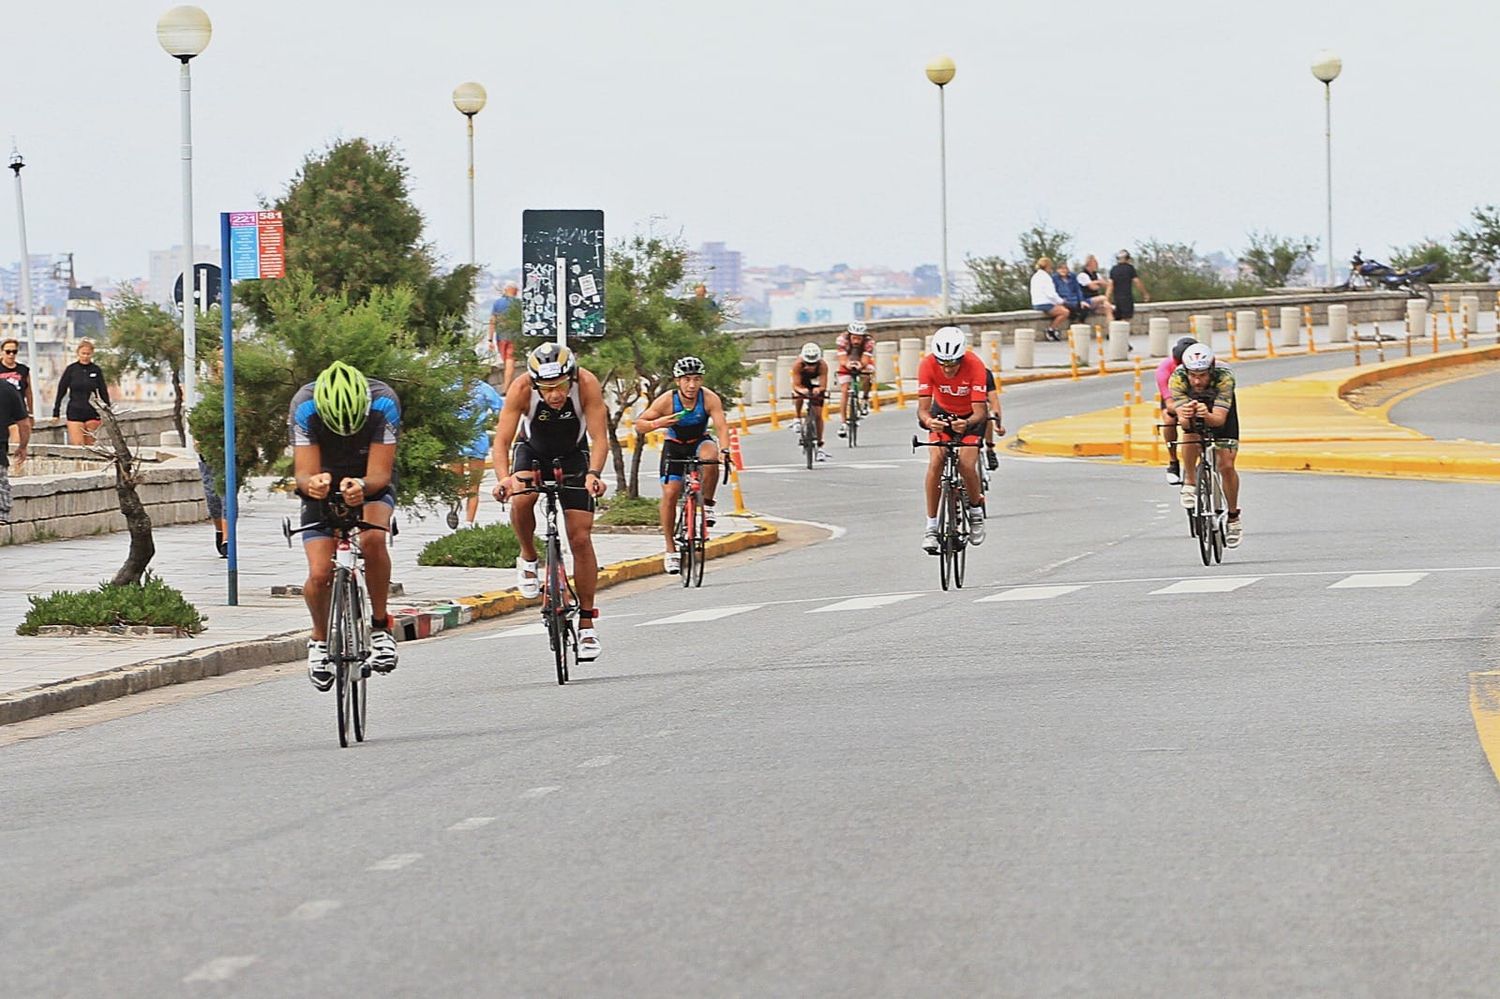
(551, 415)
(954, 375)
(856, 355)
(1202, 389)
(810, 385)
(344, 429)
(685, 412)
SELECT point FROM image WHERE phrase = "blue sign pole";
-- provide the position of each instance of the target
(231, 486)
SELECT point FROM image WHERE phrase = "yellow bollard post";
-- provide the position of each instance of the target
(744, 420)
(1466, 338)
(1312, 344)
(1193, 327)
(1125, 449)
(1434, 333)
(1379, 345)
(775, 415)
(1448, 311)
(1408, 339)
(739, 497)
(1354, 335)
(1265, 322)
(1156, 436)
(900, 389)
(1099, 343)
(1234, 340)
(1073, 352)
(1138, 380)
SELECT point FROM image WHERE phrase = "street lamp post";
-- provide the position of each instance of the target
(184, 33)
(469, 98)
(16, 163)
(1326, 67)
(940, 71)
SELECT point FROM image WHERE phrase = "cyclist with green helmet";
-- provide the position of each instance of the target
(344, 428)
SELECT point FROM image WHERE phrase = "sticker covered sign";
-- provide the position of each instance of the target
(562, 263)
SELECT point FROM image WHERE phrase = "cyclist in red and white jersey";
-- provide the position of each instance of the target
(856, 349)
(952, 404)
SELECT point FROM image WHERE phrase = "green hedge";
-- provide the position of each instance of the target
(621, 511)
(153, 603)
(493, 546)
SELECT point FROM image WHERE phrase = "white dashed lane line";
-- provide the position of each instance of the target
(1028, 593)
(1366, 580)
(864, 603)
(540, 792)
(473, 823)
(221, 969)
(698, 616)
(1211, 584)
(315, 909)
(395, 862)
(597, 761)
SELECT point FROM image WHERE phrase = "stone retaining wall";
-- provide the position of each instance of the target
(77, 503)
(143, 425)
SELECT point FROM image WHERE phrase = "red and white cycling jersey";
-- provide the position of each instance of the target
(855, 350)
(956, 393)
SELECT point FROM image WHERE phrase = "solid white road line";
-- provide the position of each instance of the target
(540, 792)
(867, 465)
(222, 969)
(597, 761)
(1365, 580)
(473, 823)
(864, 603)
(699, 616)
(316, 909)
(1212, 584)
(1028, 593)
(526, 629)
(395, 862)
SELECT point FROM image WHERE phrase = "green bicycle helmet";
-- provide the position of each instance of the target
(342, 397)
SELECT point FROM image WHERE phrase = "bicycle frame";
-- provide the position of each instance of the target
(953, 512)
(691, 530)
(559, 601)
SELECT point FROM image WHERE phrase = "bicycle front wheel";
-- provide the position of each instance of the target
(686, 525)
(809, 446)
(699, 542)
(851, 417)
(358, 671)
(340, 638)
(557, 608)
(1204, 509)
(1219, 517)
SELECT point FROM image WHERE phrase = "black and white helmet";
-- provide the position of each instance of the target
(687, 366)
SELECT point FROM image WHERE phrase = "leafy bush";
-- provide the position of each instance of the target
(623, 511)
(493, 546)
(1452, 264)
(153, 603)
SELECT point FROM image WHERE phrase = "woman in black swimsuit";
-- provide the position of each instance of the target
(80, 382)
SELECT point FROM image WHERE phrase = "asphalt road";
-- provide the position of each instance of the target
(1469, 407)
(834, 779)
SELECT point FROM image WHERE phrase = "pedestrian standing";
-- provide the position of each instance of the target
(12, 413)
(215, 507)
(1123, 281)
(80, 382)
(18, 374)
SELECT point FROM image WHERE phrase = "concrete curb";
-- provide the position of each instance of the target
(33, 702)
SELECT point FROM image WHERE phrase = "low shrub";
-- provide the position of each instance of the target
(153, 603)
(623, 511)
(493, 546)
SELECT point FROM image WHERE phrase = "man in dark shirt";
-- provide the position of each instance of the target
(1123, 281)
(12, 413)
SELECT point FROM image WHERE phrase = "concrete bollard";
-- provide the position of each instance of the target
(1289, 334)
(989, 348)
(766, 370)
(1338, 324)
(1204, 323)
(885, 361)
(911, 357)
(1468, 311)
(1025, 348)
(1160, 336)
(1118, 347)
(1083, 338)
(1416, 315)
(1244, 329)
(784, 364)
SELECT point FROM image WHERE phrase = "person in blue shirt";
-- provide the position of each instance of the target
(484, 405)
(1072, 293)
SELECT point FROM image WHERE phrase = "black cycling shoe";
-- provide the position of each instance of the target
(991, 460)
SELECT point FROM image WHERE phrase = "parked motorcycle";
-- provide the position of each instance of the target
(1372, 275)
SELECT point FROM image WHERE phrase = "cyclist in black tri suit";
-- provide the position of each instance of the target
(344, 429)
(551, 415)
(686, 413)
(810, 385)
(994, 424)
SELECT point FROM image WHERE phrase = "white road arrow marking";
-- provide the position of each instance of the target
(1366, 580)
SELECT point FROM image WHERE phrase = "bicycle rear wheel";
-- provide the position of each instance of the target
(557, 608)
(686, 524)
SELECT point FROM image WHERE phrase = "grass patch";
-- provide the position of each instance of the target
(153, 603)
(493, 546)
(623, 511)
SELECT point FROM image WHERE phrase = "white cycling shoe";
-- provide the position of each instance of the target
(1189, 495)
(319, 669)
(588, 645)
(931, 543)
(527, 580)
(976, 525)
(672, 562)
(822, 454)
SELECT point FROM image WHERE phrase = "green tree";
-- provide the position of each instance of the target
(1479, 243)
(1005, 286)
(1273, 261)
(307, 331)
(1452, 264)
(352, 228)
(1174, 272)
(145, 339)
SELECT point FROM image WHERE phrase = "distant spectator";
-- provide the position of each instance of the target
(1080, 306)
(484, 404)
(12, 412)
(1095, 288)
(1123, 281)
(80, 382)
(1046, 300)
(505, 347)
(215, 508)
(18, 374)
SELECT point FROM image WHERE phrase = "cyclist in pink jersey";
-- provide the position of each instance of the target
(1164, 371)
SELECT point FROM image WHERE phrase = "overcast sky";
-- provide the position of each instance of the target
(798, 131)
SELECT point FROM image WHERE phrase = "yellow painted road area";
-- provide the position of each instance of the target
(1295, 424)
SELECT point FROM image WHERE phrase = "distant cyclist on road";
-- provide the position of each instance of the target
(1204, 390)
(1164, 370)
(810, 385)
(993, 426)
(344, 429)
(951, 394)
(685, 412)
(562, 406)
(856, 349)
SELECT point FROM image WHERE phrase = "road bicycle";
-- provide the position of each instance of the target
(953, 513)
(691, 533)
(559, 600)
(1208, 518)
(808, 440)
(855, 408)
(348, 614)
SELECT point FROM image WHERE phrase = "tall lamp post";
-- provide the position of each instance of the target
(16, 163)
(184, 33)
(1326, 67)
(940, 71)
(469, 98)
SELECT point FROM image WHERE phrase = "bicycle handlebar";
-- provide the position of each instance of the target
(953, 444)
(339, 522)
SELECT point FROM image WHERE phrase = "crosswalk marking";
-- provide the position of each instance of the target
(1028, 593)
(1362, 580)
(864, 603)
(1212, 584)
(698, 616)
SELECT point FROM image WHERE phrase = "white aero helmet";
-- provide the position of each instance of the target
(949, 344)
(811, 353)
(858, 328)
(1198, 357)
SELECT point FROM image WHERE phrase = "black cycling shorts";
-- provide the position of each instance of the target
(574, 465)
(673, 452)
